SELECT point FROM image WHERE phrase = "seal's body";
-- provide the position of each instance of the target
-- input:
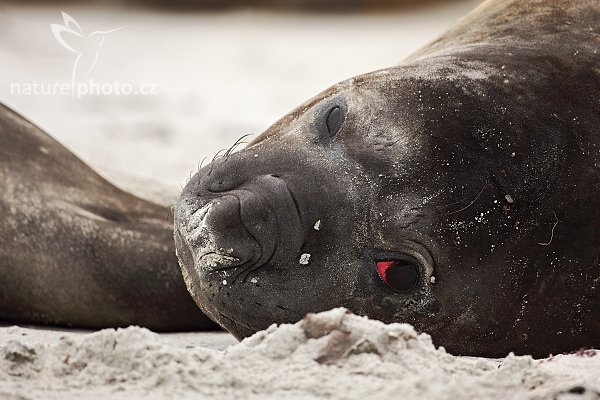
(459, 192)
(77, 251)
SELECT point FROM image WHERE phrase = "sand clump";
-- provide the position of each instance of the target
(335, 355)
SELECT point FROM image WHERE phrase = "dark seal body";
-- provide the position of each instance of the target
(77, 251)
(458, 191)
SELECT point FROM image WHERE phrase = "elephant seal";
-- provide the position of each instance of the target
(77, 251)
(458, 192)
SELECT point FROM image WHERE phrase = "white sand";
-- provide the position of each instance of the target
(331, 355)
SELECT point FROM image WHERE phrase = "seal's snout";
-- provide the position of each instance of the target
(231, 216)
(239, 221)
(214, 234)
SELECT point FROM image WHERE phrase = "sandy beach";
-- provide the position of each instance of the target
(332, 355)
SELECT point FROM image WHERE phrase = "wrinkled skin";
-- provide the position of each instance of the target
(479, 158)
(77, 251)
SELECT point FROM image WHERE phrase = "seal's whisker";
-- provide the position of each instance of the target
(454, 203)
(237, 143)
(226, 152)
(217, 154)
(552, 233)
(471, 203)
(214, 159)
(201, 163)
(233, 148)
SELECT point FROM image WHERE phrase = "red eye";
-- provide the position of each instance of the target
(399, 275)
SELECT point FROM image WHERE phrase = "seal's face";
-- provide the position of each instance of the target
(330, 207)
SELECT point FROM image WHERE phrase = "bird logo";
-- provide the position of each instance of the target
(86, 47)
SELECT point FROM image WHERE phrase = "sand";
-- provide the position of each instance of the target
(333, 355)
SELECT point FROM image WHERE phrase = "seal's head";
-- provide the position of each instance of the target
(363, 198)
(299, 221)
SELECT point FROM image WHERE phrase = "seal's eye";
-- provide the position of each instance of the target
(399, 275)
(334, 120)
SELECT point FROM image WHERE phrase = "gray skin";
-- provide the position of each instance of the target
(77, 251)
(477, 160)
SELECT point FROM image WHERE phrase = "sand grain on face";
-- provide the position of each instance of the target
(334, 355)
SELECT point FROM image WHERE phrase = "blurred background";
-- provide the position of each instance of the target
(210, 70)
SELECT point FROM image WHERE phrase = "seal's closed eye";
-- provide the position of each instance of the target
(334, 120)
(330, 119)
